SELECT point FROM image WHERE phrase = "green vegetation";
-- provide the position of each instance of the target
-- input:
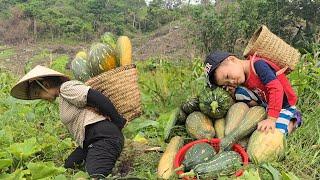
(6, 54)
(32, 135)
(33, 141)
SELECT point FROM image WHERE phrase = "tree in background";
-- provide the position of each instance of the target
(15, 28)
(223, 26)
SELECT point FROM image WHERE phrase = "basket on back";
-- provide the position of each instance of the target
(267, 45)
(120, 85)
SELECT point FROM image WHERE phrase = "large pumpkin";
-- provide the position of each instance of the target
(199, 126)
(215, 103)
(80, 69)
(264, 147)
(101, 58)
(124, 51)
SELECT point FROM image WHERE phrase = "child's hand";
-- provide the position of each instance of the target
(231, 90)
(267, 125)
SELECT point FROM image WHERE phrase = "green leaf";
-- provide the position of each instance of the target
(17, 175)
(44, 169)
(138, 124)
(170, 122)
(25, 149)
(250, 174)
(274, 172)
(5, 163)
(80, 176)
(60, 177)
(288, 176)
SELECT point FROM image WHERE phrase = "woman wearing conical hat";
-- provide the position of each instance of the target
(98, 133)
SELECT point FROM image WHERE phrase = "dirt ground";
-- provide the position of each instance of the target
(172, 41)
(24, 52)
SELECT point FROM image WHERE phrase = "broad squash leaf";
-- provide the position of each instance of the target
(250, 174)
(274, 172)
(17, 175)
(140, 138)
(81, 176)
(25, 149)
(60, 177)
(170, 122)
(5, 163)
(138, 124)
(44, 169)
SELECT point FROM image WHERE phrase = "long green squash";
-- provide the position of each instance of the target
(224, 163)
(199, 126)
(247, 126)
(264, 147)
(165, 166)
(235, 115)
(198, 153)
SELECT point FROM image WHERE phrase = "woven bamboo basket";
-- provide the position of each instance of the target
(266, 44)
(120, 85)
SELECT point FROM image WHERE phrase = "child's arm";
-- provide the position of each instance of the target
(275, 94)
(252, 103)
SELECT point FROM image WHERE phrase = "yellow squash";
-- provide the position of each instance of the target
(165, 166)
(219, 126)
(124, 51)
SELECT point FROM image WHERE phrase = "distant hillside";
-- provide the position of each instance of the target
(172, 41)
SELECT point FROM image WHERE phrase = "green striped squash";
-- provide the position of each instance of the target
(198, 153)
(101, 58)
(80, 69)
(224, 163)
(246, 127)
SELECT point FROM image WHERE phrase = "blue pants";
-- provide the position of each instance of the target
(286, 115)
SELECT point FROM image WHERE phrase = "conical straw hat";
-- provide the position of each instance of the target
(22, 89)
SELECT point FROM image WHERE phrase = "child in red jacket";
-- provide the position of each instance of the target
(264, 86)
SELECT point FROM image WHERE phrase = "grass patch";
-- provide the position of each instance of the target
(37, 59)
(60, 64)
(7, 53)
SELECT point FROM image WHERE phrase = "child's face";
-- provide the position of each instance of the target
(230, 73)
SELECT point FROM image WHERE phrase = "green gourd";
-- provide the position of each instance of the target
(190, 105)
(198, 153)
(224, 163)
(246, 127)
(234, 116)
(215, 103)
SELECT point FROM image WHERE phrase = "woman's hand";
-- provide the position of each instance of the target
(267, 125)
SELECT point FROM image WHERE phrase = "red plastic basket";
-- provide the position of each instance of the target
(215, 143)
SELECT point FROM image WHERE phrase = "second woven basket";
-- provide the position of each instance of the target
(266, 44)
(120, 85)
